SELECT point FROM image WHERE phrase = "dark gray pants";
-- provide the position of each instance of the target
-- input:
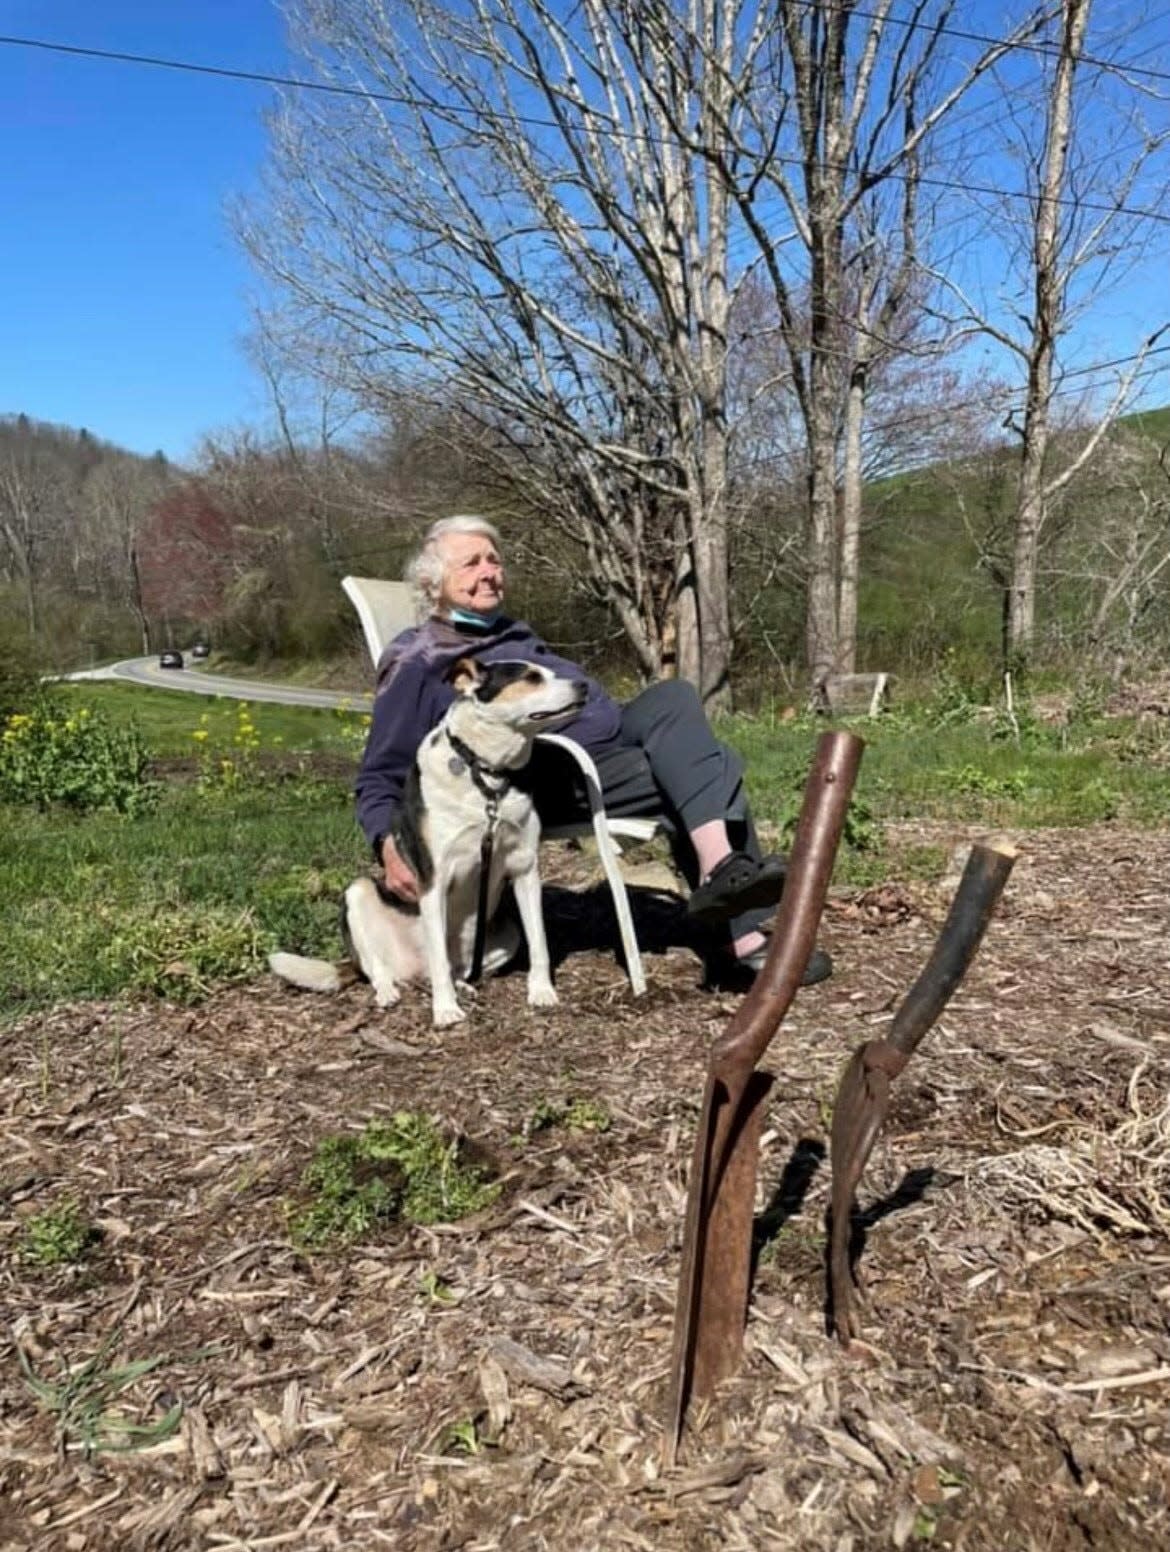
(668, 764)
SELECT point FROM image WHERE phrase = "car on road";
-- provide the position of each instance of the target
(170, 659)
(200, 649)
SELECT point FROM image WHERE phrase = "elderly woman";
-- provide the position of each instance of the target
(656, 755)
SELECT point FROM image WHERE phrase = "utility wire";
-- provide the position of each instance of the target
(1023, 45)
(614, 132)
(997, 402)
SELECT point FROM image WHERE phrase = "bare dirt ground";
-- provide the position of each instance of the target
(1012, 1391)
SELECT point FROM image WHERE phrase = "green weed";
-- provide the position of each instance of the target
(404, 1168)
(434, 1288)
(980, 783)
(59, 1236)
(181, 953)
(587, 1115)
(462, 1436)
(860, 832)
(790, 1241)
(82, 1400)
(925, 1525)
(577, 1115)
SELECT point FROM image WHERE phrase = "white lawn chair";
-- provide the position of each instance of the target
(385, 609)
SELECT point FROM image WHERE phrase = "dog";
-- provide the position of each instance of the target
(459, 786)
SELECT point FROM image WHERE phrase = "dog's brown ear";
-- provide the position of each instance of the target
(465, 676)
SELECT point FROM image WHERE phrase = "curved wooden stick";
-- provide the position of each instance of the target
(863, 1095)
(716, 1261)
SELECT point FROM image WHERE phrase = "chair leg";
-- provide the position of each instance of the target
(621, 903)
(608, 852)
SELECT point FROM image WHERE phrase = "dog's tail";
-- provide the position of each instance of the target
(314, 975)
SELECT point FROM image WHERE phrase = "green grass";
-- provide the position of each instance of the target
(168, 718)
(87, 1401)
(181, 899)
(197, 892)
(913, 770)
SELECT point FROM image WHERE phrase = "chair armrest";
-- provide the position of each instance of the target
(635, 828)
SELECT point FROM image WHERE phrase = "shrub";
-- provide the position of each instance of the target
(19, 681)
(79, 759)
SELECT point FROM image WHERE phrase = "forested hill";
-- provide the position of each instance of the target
(937, 546)
(104, 552)
(71, 508)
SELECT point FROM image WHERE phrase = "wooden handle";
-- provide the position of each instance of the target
(984, 877)
(810, 867)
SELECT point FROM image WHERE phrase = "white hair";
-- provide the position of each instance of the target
(424, 570)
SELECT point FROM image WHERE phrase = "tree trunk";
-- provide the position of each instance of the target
(688, 650)
(851, 524)
(136, 599)
(714, 616)
(821, 637)
(1049, 295)
(1026, 548)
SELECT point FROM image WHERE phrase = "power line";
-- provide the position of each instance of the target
(614, 132)
(996, 402)
(1023, 45)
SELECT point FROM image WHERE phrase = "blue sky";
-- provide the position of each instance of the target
(124, 300)
(123, 297)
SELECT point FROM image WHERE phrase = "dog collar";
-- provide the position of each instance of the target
(479, 769)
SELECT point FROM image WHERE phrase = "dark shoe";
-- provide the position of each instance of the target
(737, 884)
(725, 973)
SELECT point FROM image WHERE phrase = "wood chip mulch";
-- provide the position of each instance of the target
(499, 1383)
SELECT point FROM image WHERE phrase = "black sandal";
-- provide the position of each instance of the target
(739, 883)
(725, 973)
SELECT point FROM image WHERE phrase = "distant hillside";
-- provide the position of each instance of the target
(75, 445)
(72, 508)
(937, 544)
(1151, 423)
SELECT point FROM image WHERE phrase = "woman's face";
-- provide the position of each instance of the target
(473, 574)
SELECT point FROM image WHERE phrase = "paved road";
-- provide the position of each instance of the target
(145, 671)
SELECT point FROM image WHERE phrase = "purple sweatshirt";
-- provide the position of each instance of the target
(412, 695)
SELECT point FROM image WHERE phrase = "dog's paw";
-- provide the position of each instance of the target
(386, 994)
(443, 1018)
(542, 996)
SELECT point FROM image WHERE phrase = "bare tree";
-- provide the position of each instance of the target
(34, 489)
(1118, 553)
(503, 210)
(862, 102)
(117, 500)
(1065, 244)
(883, 294)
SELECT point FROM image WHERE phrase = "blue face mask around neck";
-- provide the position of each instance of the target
(469, 617)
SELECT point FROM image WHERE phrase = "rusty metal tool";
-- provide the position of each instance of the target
(711, 1311)
(863, 1095)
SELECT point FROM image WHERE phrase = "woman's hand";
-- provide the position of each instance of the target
(400, 878)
